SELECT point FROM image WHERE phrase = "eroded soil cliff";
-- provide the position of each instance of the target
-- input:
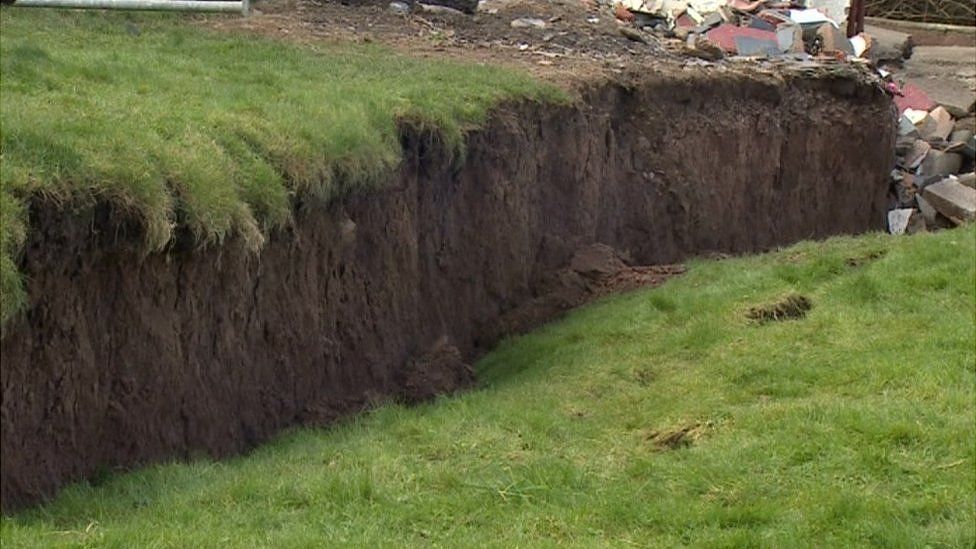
(125, 358)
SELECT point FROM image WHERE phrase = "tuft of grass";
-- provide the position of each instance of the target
(214, 132)
(659, 418)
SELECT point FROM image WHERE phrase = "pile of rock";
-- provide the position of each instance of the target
(760, 28)
(933, 183)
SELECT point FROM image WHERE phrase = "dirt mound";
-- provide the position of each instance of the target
(439, 371)
(594, 271)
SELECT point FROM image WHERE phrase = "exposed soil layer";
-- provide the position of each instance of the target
(124, 358)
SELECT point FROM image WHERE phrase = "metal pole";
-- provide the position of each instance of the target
(241, 6)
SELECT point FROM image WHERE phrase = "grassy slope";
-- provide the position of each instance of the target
(851, 427)
(215, 132)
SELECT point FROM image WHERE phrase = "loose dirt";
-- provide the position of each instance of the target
(577, 44)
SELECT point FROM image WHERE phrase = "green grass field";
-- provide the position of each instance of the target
(851, 427)
(214, 132)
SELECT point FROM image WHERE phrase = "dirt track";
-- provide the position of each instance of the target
(124, 359)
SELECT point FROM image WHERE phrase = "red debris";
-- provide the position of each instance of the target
(912, 97)
(623, 13)
(724, 35)
(685, 20)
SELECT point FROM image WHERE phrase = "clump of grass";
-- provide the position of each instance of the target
(853, 428)
(790, 307)
(215, 132)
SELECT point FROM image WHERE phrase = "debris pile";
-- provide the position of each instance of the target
(933, 183)
(711, 29)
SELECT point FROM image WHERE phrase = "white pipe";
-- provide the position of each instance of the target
(241, 6)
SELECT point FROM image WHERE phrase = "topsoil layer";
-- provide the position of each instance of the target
(124, 359)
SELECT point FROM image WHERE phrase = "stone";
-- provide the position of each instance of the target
(755, 47)
(449, 7)
(968, 179)
(928, 212)
(888, 46)
(920, 149)
(954, 111)
(790, 40)
(725, 34)
(959, 143)
(906, 127)
(430, 7)
(942, 122)
(399, 8)
(941, 163)
(967, 123)
(898, 220)
(632, 34)
(713, 19)
(529, 23)
(833, 40)
(952, 199)
(703, 48)
(932, 218)
(960, 136)
(903, 145)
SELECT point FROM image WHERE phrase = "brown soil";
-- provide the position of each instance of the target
(124, 359)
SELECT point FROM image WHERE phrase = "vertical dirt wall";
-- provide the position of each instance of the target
(124, 359)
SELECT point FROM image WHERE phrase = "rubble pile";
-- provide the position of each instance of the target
(933, 183)
(712, 29)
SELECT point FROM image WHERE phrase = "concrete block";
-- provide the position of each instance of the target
(888, 46)
(833, 39)
(905, 126)
(898, 220)
(942, 123)
(920, 149)
(952, 199)
(790, 39)
(755, 47)
(968, 179)
(941, 163)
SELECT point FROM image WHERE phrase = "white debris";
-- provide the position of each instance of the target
(898, 220)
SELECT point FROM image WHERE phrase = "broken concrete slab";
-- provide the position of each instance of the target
(898, 220)
(960, 136)
(952, 199)
(834, 40)
(943, 122)
(968, 179)
(920, 149)
(790, 39)
(888, 46)
(725, 34)
(954, 111)
(755, 47)
(941, 163)
(933, 219)
(967, 123)
(906, 128)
